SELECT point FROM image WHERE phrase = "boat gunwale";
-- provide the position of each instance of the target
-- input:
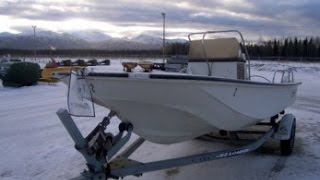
(184, 77)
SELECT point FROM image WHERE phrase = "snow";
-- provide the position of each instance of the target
(92, 36)
(35, 145)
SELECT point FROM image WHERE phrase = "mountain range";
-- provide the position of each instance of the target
(80, 40)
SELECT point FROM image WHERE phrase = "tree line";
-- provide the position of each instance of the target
(79, 52)
(286, 48)
(306, 48)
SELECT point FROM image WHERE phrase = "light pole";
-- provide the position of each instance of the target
(34, 41)
(163, 36)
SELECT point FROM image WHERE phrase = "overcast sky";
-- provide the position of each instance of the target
(255, 18)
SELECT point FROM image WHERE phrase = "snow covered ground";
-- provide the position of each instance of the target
(35, 145)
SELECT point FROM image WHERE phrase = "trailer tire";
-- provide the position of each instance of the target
(286, 146)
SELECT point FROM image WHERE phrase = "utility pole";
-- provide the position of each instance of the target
(34, 41)
(164, 36)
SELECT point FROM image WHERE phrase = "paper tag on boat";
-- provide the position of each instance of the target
(79, 96)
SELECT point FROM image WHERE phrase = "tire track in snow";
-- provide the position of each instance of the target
(277, 168)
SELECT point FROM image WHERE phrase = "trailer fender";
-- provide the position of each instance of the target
(283, 131)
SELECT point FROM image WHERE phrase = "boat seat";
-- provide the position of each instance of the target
(220, 50)
(224, 54)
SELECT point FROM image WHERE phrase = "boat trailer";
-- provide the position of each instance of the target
(99, 148)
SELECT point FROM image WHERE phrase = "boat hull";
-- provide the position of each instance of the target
(170, 110)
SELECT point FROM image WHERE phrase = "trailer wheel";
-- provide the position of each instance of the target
(286, 146)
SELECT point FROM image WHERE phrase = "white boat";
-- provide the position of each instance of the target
(216, 93)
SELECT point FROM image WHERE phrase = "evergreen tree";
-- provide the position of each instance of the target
(275, 48)
(296, 47)
(284, 52)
